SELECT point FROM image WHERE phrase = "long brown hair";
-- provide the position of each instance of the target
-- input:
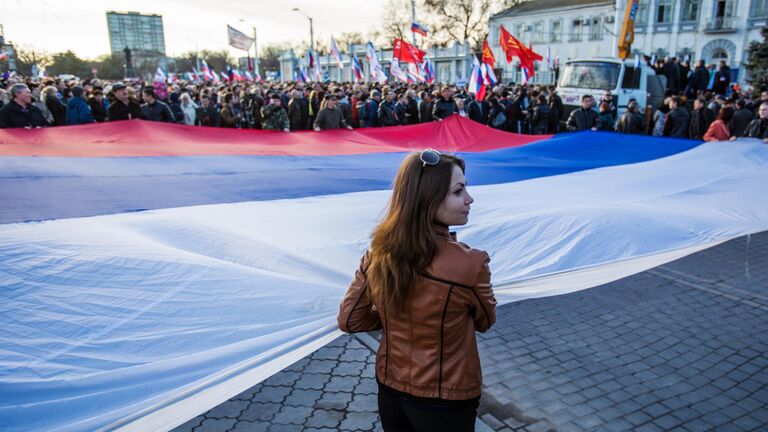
(403, 244)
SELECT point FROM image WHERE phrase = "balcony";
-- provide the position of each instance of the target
(721, 25)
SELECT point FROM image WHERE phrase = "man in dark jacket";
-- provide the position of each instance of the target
(387, 114)
(330, 117)
(672, 73)
(700, 78)
(631, 122)
(540, 121)
(207, 114)
(412, 114)
(425, 107)
(123, 108)
(758, 128)
(19, 111)
(153, 109)
(78, 110)
(701, 118)
(295, 118)
(741, 118)
(445, 105)
(369, 115)
(96, 102)
(478, 110)
(722, 79)
(57, 109)
(584, 117)
(677, 121)
(555, 109)
(175, 106)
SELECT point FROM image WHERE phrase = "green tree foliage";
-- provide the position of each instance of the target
(68, 62)
(757, 62)
(110, 66)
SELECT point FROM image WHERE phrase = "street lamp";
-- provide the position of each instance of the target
(311, 30)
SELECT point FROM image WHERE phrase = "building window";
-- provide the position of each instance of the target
(641, 19)
(596, 29)
(538, 31)
(690, 10)
(495, 36)
(718, 55)
(664, 12)
(556, 31)
(759, 9)
(575, 34)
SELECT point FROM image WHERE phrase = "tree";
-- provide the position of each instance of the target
(26, 57)
(395, 22)
(350, 38)
(68, 62)
(269, 56)
(757, 62)
(110, 66)
(218, 60)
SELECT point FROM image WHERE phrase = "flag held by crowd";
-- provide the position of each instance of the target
(420, 29)
(357, 69)
(336, 53)
(514, 48)
(238, 39)
(376, 70)
(406, 52)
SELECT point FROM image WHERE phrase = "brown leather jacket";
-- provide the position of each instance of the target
(429, 349)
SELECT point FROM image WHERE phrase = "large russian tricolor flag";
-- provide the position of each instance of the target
(151, 271)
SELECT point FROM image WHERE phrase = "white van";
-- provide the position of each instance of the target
(595, 75)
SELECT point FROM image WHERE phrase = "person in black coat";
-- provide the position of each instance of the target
(672, 73)
(540, 122)
(722, 79)
(678, 119)
(631, 122)
(122, 107)
(19, 111)
(412, 116)
(425, 107)
(445, 105)
(96, 102)
(154, 109)
(555, 109)
(758, 128)
(295, 117)
(583, 118)
(700, 78)
(57, 108)
(701, 118)
(741, 118)
(387, 115)
(478, 111)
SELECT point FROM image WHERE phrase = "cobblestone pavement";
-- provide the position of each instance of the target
(681, 347)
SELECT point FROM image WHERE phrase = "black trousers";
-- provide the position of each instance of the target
(401, 412)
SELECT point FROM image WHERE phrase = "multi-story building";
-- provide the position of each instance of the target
(712, 30)
(142, 33)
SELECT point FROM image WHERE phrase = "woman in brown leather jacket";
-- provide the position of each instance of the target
(429, 294)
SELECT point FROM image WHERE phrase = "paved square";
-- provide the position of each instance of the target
(681, 347)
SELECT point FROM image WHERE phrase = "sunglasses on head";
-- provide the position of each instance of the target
(429, 157)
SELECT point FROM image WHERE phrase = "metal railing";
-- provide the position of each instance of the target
(722, 24)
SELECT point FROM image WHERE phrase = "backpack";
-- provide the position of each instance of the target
(499, 120)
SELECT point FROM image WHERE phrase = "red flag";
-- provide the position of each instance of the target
(406, 52)
(513, 47)
(488, 57)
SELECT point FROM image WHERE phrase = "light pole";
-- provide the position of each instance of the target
(311, 29)
(255, 49)
(197, 54)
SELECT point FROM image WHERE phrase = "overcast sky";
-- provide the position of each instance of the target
(81, 25)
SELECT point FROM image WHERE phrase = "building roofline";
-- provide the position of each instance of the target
(531, 7)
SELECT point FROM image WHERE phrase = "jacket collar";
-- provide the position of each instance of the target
(443, 232)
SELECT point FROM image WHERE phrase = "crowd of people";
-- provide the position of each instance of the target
(687, 112)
